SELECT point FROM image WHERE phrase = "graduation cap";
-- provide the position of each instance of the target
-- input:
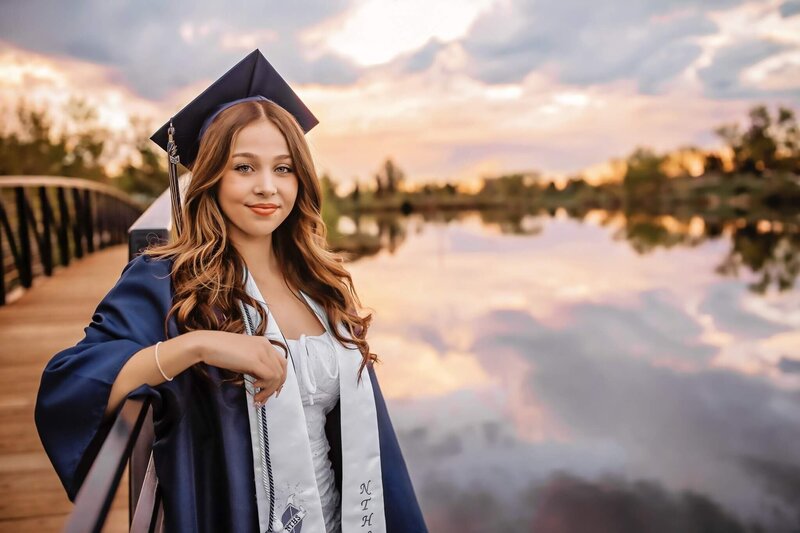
(252, 78)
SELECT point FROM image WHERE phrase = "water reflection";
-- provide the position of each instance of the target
(769, 249)
(548, 373)
(772, 252)
(567, 503)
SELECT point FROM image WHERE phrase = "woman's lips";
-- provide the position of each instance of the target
(263, 211)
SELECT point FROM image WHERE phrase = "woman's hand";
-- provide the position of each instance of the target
(249, 354)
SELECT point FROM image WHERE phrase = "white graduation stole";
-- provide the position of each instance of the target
(296, 501)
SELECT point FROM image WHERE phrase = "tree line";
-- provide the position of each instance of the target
(82, 147)
(768, 145)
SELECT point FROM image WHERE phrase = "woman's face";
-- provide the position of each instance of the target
(260, 172)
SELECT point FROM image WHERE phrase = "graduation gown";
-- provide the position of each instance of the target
(202, 448)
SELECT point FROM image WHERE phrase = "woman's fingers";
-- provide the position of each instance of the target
(271, 375)
(276, 388)
(268, 387)
(273, 366)
(284, 365)
(267, 393)
(283, 377)
(267, 375)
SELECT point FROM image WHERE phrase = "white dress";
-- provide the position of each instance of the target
(317, 372)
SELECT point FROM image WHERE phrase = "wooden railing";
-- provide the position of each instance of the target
(130, 439)
(46, 221)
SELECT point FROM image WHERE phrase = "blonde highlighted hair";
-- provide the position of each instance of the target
(207, 270)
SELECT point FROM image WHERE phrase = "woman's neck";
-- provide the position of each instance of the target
(259, 256)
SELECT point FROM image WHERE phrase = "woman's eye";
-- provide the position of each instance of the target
(239, 167)
(288, 169)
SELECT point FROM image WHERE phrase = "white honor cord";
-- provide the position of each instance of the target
(263, 444)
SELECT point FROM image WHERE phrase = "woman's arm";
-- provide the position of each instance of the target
(76, 383)
(233, 351)
(117, 354)
(175, 355)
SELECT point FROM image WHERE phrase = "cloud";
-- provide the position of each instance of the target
(375, 32)
(723, 77)
(160, 48)
(422, 58)
(614, 40)
(711, 437)
(724, 302)
(568, 503)
(478, 88)
(328, 69)
(664, 64)
(656, 329)
(790, 9)
(789, 365)
(615, 504)
(699, 430)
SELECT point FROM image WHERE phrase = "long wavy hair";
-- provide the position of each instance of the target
(207, 270)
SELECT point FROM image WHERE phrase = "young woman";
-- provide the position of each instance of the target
(243, 331)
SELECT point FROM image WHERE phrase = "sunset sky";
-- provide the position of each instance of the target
(451, 90)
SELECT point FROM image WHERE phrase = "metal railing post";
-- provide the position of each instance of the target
(93, 205)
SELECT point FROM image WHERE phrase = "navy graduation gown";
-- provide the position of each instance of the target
(202, 448)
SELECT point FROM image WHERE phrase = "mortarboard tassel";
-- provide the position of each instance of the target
(175, 193)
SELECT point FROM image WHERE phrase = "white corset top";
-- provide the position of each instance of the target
(317, 370)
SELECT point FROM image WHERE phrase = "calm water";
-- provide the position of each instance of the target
(549, 374)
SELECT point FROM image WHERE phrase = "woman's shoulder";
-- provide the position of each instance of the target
(147, 273)
(149, 265)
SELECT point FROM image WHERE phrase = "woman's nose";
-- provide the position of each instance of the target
(266, 183)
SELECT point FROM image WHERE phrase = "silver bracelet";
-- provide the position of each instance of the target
(159, 364)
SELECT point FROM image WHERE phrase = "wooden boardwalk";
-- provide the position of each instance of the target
(46, 319)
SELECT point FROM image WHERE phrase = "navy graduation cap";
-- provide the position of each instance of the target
(252, 78)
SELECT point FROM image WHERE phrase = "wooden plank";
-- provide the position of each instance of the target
(46, 319)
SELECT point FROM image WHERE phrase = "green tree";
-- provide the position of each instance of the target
(330, 206)
(34, 147)
(644, 169)
(387, 182)
(145, 176)
(788, 140)
(575, 184)
(713, 164)
(328, 188)
(767, 144)
(508, 186)
(86, 145)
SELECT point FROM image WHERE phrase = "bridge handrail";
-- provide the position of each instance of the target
(63, 181)
(80, 215)
(97, 491)
(131, 435)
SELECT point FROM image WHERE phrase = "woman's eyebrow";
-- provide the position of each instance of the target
(254, 156)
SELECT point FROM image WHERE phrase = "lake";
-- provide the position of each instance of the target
(604, 374)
